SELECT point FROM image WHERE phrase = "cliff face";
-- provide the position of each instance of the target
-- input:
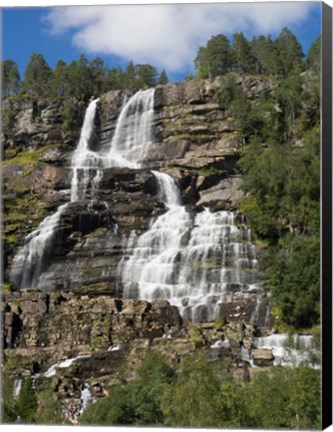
(194, 141)
(103, 339)
(81, 310)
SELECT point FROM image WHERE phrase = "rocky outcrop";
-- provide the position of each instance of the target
(196, 141)
(67, 340)
(33, 124)
(78, 314)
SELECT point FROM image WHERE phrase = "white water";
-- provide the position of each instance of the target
(133, 135)
(128, 147)
(86, 398)
(195, 262)
(287, 351)
(84, 159)
(220, 344)
(31, 260)
(52, 371)
(17, 387)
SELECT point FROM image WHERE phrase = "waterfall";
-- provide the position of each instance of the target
(86, 398)
(133, 134)
(168, 190)
(194, 261)
(17, 387)
(33, 257)
(52, 370)
(128, 147)
(289, 350)
(83, 158)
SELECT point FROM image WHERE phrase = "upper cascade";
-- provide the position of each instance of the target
(128, 147)
(83, 157)
(133, 135)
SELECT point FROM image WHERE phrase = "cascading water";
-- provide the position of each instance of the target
(197, 262)
(32, 259)
(84, 159)
(133, 134)
(128, 147)
(17, 387)
(194, 261)
(290, 350)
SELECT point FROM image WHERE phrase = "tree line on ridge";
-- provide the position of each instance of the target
(83, 78)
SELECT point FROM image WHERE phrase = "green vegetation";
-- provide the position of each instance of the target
(31, 407)
(204, 393)
(135, 402)
(49, 408)
(37, 76)
(8, 121)
(281, 170)
(26, 158)
(261, 56)
(10, 78)
(79, 80)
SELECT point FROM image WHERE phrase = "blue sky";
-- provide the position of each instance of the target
(166, 36)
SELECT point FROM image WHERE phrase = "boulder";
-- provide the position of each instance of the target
(262, 357)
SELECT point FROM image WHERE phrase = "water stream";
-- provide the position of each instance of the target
(196, 261)
(34, 256)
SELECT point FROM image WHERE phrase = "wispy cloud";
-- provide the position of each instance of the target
(168, 35)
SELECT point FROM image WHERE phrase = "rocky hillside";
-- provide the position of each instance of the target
(195, 141)
(81, 311)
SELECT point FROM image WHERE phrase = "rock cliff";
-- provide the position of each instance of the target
(81, 311)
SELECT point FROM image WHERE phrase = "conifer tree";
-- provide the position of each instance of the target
(242, 57)
(27, 401)
(59, 81)
(214, 59)
(10, 78)
(313, 57)
(146, 76)
(37, 76)
(163, 78)
(289, 52)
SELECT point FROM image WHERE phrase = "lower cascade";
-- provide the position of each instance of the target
(197, 262)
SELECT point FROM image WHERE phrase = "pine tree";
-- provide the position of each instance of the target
(146, 76)
(10, 78)
(129, 76)
(27, 401)
(99, 72)
(59, 81)
(214, 59)
(314, 55)
(242, 57)
(37, 76)
(163, 78)
(266, 56)
(289, 52)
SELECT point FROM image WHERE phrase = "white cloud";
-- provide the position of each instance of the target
(168, 35)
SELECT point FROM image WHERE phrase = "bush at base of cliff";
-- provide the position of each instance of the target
(135, 402)
(283, 398)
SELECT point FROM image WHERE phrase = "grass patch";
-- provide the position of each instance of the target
(99, 231)
(26, 158)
